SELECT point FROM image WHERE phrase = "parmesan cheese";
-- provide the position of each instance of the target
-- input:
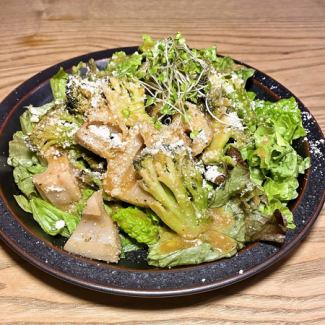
(234, 121)
(211, 173)
(105, 133)
(59, 224)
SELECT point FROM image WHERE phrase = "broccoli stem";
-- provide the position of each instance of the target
(180, 201)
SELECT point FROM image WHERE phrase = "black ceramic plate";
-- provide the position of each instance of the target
(132, 276)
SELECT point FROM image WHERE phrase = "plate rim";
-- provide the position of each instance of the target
(41, 78)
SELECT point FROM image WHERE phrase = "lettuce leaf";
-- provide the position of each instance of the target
(283, 190)
(23, 203)
(274, 205)
(122, 65)
(32, 115)
(53, 220)
(237, 231)
(19, 153)
(171, 251)
(25, 163)
(271, 150)
(237, 182)
(196, 254)
(137, 225)
(58, 84)
(24, 179)
(284, 116)
(25, 122)
(128, 245)
(272, 160)
(262, 225)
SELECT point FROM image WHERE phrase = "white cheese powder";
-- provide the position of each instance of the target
(167, 149)
(59, 224)
(54, 188)
(105, 133)
(234, 121)
(94, 88)
(211, 173)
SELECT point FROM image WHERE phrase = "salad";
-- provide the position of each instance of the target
(163, 149)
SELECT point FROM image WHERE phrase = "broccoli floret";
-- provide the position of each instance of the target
(137, 225)
(78, 97)
(126, 100)
(181, 200)
(56, 128)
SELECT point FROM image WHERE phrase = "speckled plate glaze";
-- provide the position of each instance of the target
(132, 276)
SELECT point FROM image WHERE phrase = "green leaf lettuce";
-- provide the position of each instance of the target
(53, 220)
(58, 84)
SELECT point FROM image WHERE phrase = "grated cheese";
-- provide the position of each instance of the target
(234, 121)
(59, 224)
(54, 188)
(169, 149)
(105, 133)
(212, 172)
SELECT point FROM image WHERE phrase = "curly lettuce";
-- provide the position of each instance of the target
(273, 162)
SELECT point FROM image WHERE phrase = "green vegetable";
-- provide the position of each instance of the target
(272, 160)
(215, 151)
(53, 220)
(284, 116)
(33, 115)
(262, 225)
(19, 153)
(272, 154)
(127, 96)
(177, 187)
(78, 99)
(128, 245)
(238, 180)
(25, 122)
(230, 220)
(283, 190)
(25, 163)
(137, 225)
(172, 250)
(244, 74)
(276, 205)
(23, 203)
(90, 166)
(173, 73)
(122, 65)
(77, 68)
(58, 84)
(56, 128)
(226, 90)
(195, 254)
(148, 44)
(24, 179)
